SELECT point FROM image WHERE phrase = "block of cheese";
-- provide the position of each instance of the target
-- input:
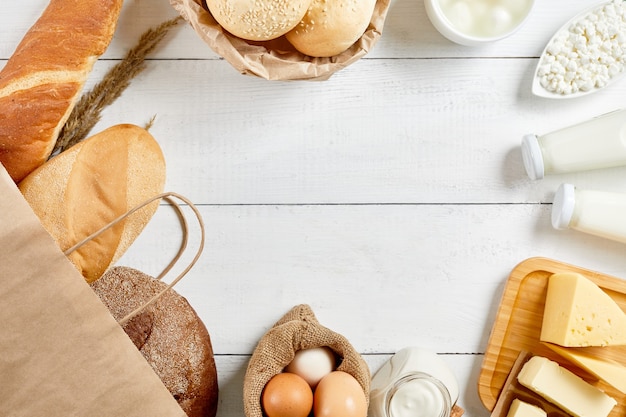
(607, 370)
(579, 313)
(520, 408)
(564, 388)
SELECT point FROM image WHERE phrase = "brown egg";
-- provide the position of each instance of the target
(339, 394)
(287, 395)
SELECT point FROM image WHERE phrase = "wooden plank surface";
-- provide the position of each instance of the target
(391, 198)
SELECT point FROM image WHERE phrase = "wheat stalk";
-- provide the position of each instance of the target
(88, 110)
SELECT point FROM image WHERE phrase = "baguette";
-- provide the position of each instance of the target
(83, 189)
(42, 81)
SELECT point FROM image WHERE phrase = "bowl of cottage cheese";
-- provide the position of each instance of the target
(585, 55)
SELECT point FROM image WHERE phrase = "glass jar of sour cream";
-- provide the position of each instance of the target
(413, 383)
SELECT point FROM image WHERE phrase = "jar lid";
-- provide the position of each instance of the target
(531, 154)
(563, 206)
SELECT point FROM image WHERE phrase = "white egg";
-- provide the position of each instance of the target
(312, 364)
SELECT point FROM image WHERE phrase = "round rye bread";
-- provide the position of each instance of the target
(168, 333)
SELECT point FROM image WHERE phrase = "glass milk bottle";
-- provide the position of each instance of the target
(599, 213)
(413, 383)
(596, 143)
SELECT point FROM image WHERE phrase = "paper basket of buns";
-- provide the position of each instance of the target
(287, 40)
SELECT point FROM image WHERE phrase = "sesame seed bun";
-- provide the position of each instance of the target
(331, 26)
(258, 20)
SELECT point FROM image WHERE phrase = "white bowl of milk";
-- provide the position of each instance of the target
(475, 22)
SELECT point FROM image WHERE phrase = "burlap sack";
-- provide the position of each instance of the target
(296, 330)
(277, 59)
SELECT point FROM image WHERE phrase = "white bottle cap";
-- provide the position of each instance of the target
(563, 206)
(531, 154)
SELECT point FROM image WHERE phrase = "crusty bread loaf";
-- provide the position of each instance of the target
(43, 79)
(168, 333)
(87, 186)
(331, 26)
(258, 20)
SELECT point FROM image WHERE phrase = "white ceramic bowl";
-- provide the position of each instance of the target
(604, 34)
(499, 22)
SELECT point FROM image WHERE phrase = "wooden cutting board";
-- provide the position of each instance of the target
(518, 325)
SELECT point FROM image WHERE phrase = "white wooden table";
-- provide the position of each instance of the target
(391, 198)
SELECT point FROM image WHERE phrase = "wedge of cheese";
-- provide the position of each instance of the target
(579, 313)
(564, 388)
(607, 370)
(520, 408)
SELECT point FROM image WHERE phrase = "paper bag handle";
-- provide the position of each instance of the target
(168, 196)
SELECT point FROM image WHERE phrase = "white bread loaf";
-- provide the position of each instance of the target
(87, 186)
(43, 79)
(331, 26)
(258, 20)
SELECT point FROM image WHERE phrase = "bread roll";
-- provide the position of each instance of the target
(331, 26)
(258, 20)
(87, 186)
(43, 79)
(168, 333)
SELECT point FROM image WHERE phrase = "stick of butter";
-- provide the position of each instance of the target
(520, 408)
(609, 371)
(564, 389)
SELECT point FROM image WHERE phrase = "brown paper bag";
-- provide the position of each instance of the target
(296, 330)
(277, 59)
(61, 351)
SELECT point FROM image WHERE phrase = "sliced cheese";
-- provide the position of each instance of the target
(520, 408)
(579, 313)
(607, 370)
(564, 389)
